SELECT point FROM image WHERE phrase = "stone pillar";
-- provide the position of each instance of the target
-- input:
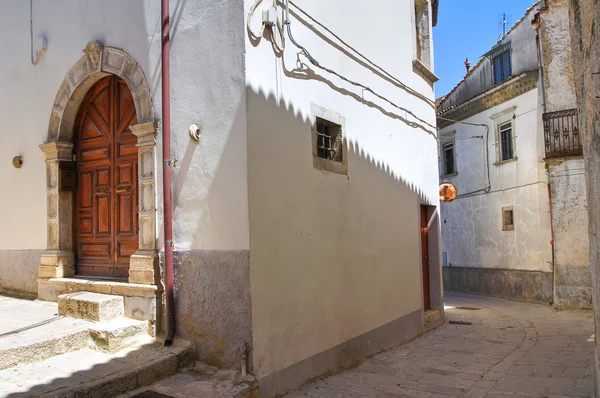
(58, 260)
(143, 265)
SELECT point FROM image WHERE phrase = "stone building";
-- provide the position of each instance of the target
(510, 141)
(304, 236)
(584, 16)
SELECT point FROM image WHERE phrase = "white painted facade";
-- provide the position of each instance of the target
(332, 257)
(545, 256)
(472, 234)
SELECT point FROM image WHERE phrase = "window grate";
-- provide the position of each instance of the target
(324, 141)
(506, 141)
(561, 133)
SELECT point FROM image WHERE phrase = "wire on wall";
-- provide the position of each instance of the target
(488, 185)
(421, 124)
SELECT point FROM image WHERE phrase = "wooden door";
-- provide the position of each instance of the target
(106, 213)
(425, 258)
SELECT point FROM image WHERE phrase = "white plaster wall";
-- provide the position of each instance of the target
(208, 87)
(472, 232)
(569, 211)
(334, 256)
(558, 63)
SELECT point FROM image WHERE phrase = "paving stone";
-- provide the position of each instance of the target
(512, 350)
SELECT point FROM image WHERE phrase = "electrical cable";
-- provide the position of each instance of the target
(373, 64)
(488, 186)
(366, 88)
(255, 37)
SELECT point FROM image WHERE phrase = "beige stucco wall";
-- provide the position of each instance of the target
(333, 256)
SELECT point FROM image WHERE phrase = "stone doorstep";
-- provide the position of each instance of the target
(87, 373)
(50, 289)
(91, 306)
(118, 334)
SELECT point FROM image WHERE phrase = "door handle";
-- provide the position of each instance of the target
(104, 191)
(121, 190)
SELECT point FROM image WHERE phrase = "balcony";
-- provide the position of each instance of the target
(561, 133)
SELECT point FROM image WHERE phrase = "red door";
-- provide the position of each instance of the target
(106, 220)
(425, 258)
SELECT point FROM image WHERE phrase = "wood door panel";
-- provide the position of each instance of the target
(103, 215)
(95, 250)
(105, 222)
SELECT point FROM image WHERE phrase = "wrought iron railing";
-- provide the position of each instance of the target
(561, 133)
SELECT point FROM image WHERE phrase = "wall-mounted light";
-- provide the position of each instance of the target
(17, 162)
(195, 132)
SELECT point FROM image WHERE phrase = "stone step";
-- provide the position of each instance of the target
(59, 335)
(89, 373)
(201, 381)
(117, 334)
(91, 306)
(55, 336)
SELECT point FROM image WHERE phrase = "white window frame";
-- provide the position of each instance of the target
(501, 119)
(447, 139)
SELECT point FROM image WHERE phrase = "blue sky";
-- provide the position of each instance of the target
(468, 29)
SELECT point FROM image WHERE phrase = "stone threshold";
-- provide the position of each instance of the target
(50, 289)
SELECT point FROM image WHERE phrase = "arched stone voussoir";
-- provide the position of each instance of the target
(98, 61)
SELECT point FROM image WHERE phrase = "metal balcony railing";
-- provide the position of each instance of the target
(561, 133)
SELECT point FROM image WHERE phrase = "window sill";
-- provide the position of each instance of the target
(422, 70)
(508, 228)
(331, 166)
(501, 162)
(450, 175)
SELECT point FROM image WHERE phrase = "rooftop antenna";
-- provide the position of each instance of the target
(504, 22)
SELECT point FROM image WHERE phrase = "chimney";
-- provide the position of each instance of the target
(467, 65)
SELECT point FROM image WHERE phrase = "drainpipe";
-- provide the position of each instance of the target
(551, 230)
(535, 23)
(167, 162)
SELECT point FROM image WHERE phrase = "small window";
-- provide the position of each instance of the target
(448, 155)
(502, 66)
(506, 141)
(508, 219)
(329, 150)
(329, 140)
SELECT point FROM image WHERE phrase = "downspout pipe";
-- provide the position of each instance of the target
(536, 23)
(167, 163)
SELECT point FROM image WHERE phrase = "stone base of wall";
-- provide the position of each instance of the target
(573, 287)
(19, 271)
(212, 300)
(344, 355)
(516, 284)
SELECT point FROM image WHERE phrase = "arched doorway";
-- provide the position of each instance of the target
(105, 229)
(67, 229)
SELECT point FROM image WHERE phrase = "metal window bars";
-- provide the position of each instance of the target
(561, 133)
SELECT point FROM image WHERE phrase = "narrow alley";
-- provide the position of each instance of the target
(490, 348)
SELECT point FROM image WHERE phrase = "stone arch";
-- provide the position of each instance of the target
(98, 61)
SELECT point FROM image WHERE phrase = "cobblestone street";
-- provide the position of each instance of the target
(499, 348)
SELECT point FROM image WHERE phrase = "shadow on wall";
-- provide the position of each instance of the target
(314, 237)
(304, 72)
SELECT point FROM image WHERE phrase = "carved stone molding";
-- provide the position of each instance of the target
(98, 61)
(58, 260)
(143, 266)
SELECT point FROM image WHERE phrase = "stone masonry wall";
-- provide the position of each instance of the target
(585, 44)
